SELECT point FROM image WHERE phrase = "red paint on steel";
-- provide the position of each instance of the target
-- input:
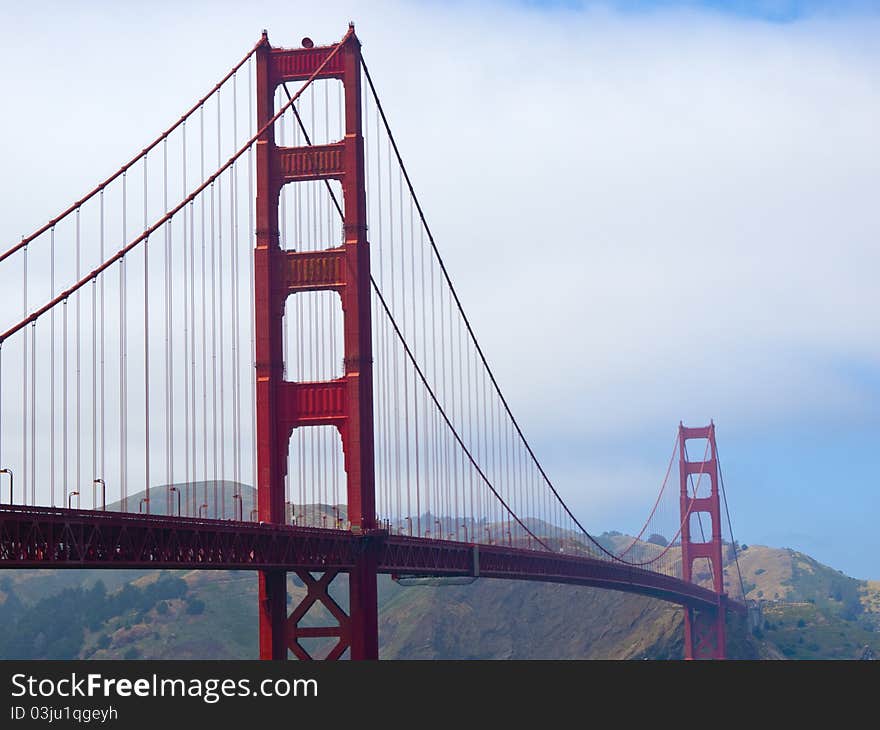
(53, 537)
(704, 630)
(346, 403)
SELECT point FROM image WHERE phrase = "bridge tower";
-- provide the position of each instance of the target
(346, 402)
(704, 630)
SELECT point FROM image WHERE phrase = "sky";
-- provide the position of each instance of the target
(673, 215)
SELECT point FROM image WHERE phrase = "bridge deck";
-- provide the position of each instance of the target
(45, 537)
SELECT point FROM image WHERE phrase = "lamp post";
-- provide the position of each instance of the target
(203, 507)
(4, 470)
(464, 525)
(175, 489)
(239, 506)
(70, 497)
(103, 494)
(144, 501)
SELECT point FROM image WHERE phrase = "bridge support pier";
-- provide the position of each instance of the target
(357, 630)
(273, 614)
(364, 608)
(705, 633)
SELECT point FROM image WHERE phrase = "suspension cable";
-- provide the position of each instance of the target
(128, 165)
(742, 586)
(174, 211)
(465, 318)
(442, 412)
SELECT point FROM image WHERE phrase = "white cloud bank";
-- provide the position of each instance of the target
(649, 217)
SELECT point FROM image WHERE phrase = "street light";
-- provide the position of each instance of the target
(103, 494)
(144, 501)
(464, 525)
(175, 489)
(70, 497)
(4, 470)
(203, 507)
(237, 499)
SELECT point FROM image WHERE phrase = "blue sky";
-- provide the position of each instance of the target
(780, 11)
(706, 172)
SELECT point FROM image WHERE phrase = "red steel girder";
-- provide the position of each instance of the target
(42, 537)
(319, 162)
(298, 64)
(317, 592)
(314, 270)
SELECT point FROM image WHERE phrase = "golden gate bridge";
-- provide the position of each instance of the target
(217, 312)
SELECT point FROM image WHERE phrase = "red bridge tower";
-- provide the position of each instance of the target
(704, 630)
(346, 402)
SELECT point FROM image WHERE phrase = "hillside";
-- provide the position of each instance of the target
(809, 610)
(205, 614)
(213, 615)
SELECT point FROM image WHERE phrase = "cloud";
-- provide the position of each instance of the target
(648, 216)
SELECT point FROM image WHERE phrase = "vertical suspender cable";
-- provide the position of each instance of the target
(394, 377)
(187, 479)
(285, 328)
(65, 476)
(103, 400)
(218, 244)
(52, 366)
(34, 413)
(233, 318)
(169, 364)
(404, 307)
(236, 362)
(24, 356)
(323, 241)
(147, 343)
(192, 364)
(415, 344)
(204, 315)
(214, 428)
(78, 479)
(122, 481)
(94, 391)
(317, 480)
(251, 385)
